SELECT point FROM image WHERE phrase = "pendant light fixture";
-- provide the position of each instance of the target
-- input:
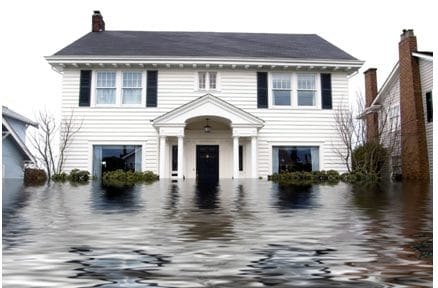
(207, 128)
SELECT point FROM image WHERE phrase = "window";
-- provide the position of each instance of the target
(106, 88)
(240, 158)
(306, 89)
(281, 89)
(295, 158)
(429, 107)
(132, 84)
(116, 88)
(174, 157)
(394, 116)
(207, 81)
(114, 157)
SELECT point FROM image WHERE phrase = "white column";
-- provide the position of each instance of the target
(254, 163)
(162, 156)
(235, 157)
(180, 157)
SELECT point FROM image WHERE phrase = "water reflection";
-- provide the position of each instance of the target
(293, 196)
(234, 234)
(206, 195)
(118, 268)
(109, 199)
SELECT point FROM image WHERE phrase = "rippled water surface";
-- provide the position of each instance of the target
(238, 234)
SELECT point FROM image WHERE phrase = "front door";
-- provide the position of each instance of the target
(207, 163)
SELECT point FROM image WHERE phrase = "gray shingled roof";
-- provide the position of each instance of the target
(204, 44)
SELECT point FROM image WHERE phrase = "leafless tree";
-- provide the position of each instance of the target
(43, 140)
(351, 127)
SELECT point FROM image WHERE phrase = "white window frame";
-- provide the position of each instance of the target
(394, 113)
(119, 87)
(320, 144)
(317, 84)
(271, 89)
(207, 81)
(294, 91)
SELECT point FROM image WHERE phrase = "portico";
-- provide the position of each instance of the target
(233, 131)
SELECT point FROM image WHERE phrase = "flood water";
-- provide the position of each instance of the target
(247, 233)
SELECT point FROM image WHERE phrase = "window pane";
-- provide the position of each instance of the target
(212, 80)
(201, 80)
(113, 157)
(306, 81)
(295, 158)
(306, 98)
(132, 79)
(106, 79)
(131, 96)
(105, 96)
(281, 81)
(281, 97)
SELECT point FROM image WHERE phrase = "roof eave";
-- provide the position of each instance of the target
(60, 60)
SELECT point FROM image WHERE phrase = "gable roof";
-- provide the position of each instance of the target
(203, 106)
(204, 44)
(14, 115)
(21, 144)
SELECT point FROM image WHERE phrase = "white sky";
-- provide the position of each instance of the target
(369, 30)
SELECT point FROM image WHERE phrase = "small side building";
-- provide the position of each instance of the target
(400, 114)
(15, 154)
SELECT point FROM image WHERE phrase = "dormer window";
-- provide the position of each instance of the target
(207, 80)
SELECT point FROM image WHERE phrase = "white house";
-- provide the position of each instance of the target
(203, 104)
(402, 110)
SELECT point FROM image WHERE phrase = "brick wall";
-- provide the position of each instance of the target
(372, 124)
(413, 133)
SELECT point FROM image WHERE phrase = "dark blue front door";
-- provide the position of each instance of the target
(207, 163)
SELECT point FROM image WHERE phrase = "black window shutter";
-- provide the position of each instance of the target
(429, 107)
(326, 91)
(151, 90)
(262, 89)
(85, 88)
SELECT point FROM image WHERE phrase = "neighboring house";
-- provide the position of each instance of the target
(201, 104)
(401, 112)
(15, 154)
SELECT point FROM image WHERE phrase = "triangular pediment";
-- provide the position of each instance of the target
(208, 105)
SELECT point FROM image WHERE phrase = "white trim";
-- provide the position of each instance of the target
(349, 65)
(246, 119)
(394, 73)
(422, 56)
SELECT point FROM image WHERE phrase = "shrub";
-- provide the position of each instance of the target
(120, 178)
(369, 160)
(59, 177)
(79, 176)
(34, 176)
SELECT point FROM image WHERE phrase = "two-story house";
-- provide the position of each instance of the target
(400, 113)
(203, 104)
(15, 153)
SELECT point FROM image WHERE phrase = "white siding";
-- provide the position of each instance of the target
(426, 74)
(176, 87)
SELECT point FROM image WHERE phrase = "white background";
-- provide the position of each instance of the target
(369, 30)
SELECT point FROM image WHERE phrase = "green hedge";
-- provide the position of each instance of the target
(324, 177)
(305, 178)
(75, 176)
(127, 178)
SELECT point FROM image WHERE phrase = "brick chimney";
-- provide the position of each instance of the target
(372, 123)
(413, 132)
(98, 24)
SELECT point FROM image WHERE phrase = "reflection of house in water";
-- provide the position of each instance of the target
(294, 196)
